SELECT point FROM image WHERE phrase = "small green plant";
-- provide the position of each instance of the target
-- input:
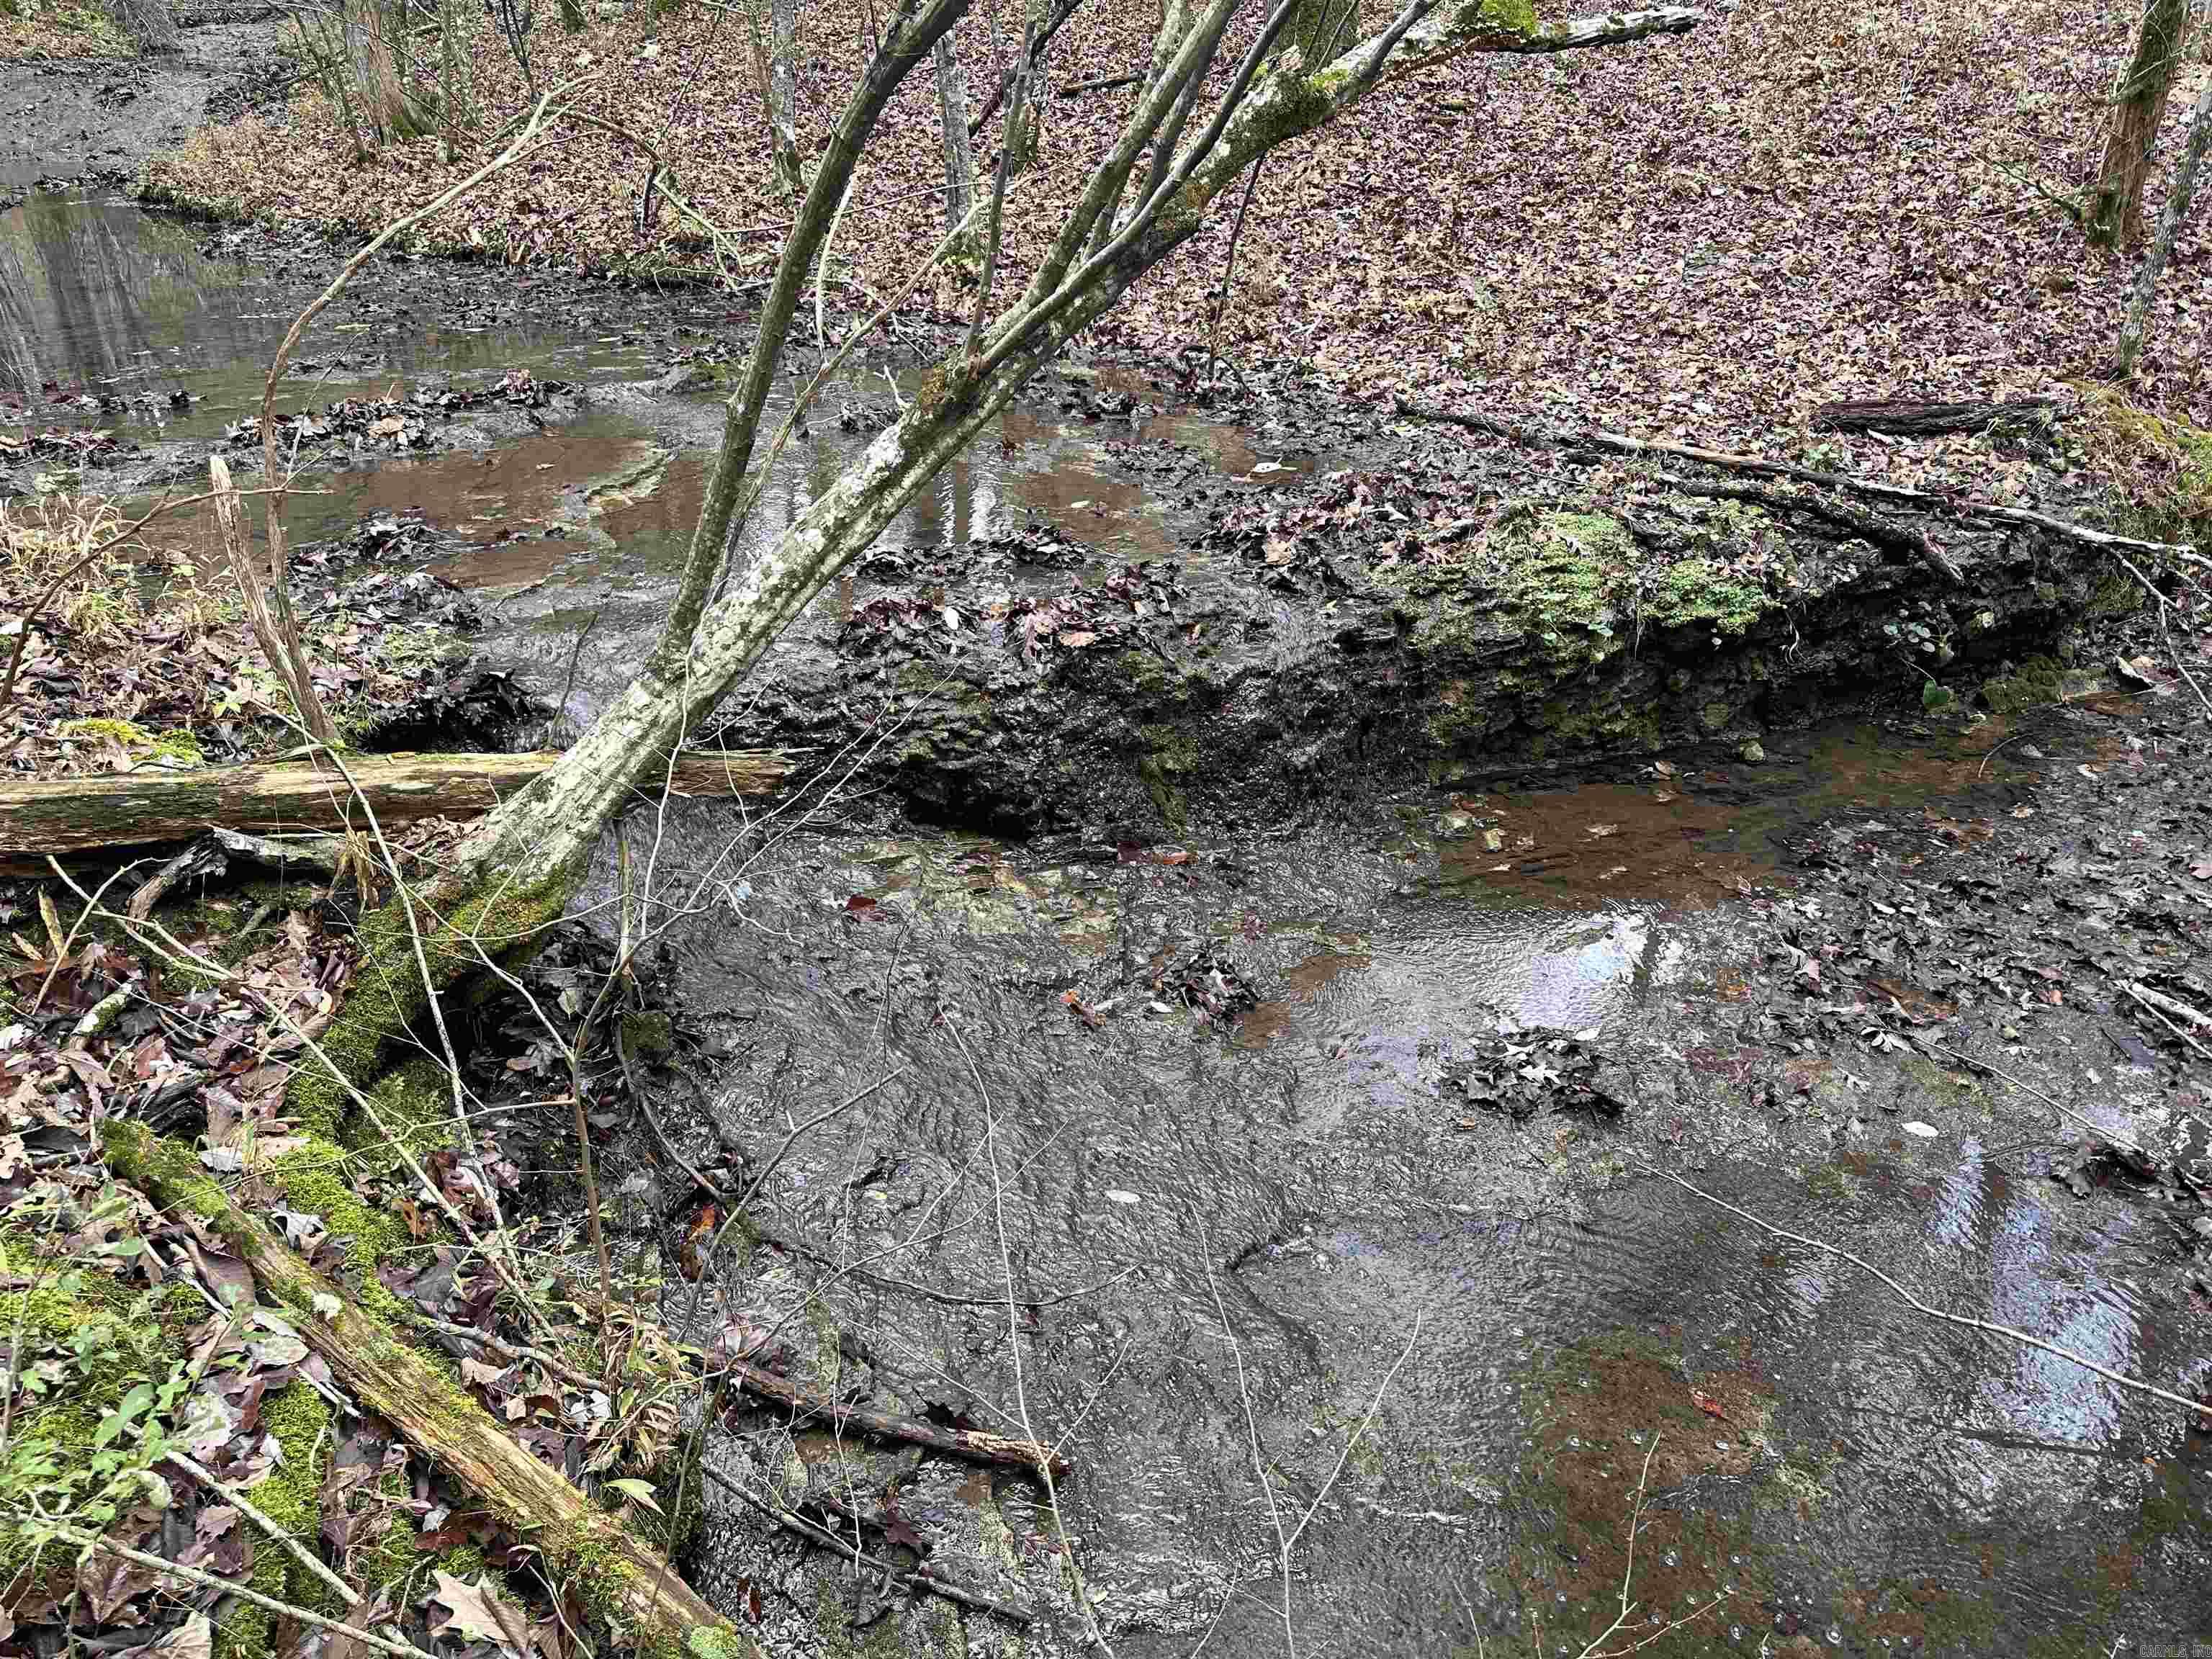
(99, 1385)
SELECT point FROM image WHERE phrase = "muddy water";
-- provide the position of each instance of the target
(1460, 1342)
(1828, 1471)
(99, 298)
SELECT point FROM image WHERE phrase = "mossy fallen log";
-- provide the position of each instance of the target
(628, 1584)
(72, 815)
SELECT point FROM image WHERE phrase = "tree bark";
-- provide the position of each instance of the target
(959, 158)
(70, 815)
(151, 23)
(628, 1584)
(783, 95)
(2169, 226)
(2115, 214)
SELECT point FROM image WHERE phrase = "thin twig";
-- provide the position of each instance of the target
(1252, 1439)
(2118, 1137)
(1011, 136)
(1628, 1572)
(86, 1540)
(921, 1577)
(823, 1116)
(298, 1551)
(2165, 626)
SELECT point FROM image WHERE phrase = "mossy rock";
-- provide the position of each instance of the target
(2033, 685)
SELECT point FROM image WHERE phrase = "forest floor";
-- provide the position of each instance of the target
(1701, 238)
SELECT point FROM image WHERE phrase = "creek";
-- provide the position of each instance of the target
(1289, 1230)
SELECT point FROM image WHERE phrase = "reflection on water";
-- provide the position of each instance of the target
(98, 297)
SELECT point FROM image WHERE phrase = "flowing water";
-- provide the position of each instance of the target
(1463, 1342)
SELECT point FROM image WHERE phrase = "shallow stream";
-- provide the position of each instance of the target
(1465, 1339)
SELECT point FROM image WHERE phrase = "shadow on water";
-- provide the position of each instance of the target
(1830, 1475)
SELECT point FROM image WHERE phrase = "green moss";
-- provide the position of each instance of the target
(1695, 593)
(291, 1496)
(163, 1169)
(833, 1624)
(178, 744)
(2159, 471)
(1169, 756)
(387, 995)
(2037, 682)
(1559, 570)
(315, 1181)
(123, 732)
(648, 1035)
(108, 1339)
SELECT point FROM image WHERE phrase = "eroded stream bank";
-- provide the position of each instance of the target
(1201, 1063)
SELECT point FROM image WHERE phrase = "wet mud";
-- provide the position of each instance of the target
(1185, 956)
(67, 119)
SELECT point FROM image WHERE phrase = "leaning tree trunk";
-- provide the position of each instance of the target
(2115, 213)
(521, 867)
(783, 95)
(2169, 226)
(959, 158)
(150, 23)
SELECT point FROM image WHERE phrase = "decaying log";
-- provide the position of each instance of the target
(1905, 417)
(628, 1582)
(69, 815)
(1525, 432)
(970, 1443)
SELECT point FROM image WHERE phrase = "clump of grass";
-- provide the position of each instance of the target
(43, 539)
(110, 596)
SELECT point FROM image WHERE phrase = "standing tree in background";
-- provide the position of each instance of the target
(371, 27)
(1321, 29)
(783, 96)
(959, 157)
(150, 24)
(2169, 226)
(2115, 212)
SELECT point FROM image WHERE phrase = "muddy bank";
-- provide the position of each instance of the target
(1114, 611)
(66, 119)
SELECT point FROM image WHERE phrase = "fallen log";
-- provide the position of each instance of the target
(625, 1580)
(1906, 418)
(70, 815)
(1524, 432)
(971, 1444)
